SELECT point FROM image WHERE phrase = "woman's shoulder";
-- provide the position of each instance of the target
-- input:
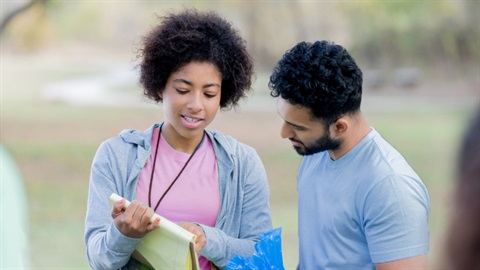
(229, 143)
(128, 138)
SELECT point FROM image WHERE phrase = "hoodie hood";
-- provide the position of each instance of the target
(223, 145)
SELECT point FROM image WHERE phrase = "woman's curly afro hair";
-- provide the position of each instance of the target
(321, 76)
(193, 36)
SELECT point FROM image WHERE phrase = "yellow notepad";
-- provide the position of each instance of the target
(167, 247)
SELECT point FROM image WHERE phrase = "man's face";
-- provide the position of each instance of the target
(308, 135)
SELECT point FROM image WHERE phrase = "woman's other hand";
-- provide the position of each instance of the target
(194, 228)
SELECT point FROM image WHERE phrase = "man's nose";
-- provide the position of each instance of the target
(286, 131)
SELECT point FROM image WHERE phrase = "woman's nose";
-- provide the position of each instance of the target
(195, 103)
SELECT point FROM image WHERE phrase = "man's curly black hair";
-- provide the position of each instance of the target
(321, 76)
(193, 36)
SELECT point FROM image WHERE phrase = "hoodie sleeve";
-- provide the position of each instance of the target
(107, 247)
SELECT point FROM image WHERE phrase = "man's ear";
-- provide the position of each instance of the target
(341, 126)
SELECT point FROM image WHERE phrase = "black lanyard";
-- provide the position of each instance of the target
(174, 180)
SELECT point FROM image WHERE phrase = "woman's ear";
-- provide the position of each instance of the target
(160, 94)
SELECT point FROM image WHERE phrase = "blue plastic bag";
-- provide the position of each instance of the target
(268, 254)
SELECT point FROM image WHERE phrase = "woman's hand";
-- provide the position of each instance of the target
(134, 221)
(194, 228)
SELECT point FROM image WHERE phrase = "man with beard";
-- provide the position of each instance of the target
(361, 205)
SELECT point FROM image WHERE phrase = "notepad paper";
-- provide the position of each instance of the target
(167, 247)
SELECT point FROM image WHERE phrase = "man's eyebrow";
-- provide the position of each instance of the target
(190, 83)
(294, 125)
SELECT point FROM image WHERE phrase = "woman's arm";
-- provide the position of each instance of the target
(107, 247)
(249, 217)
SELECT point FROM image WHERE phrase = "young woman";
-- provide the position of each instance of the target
(194, 63)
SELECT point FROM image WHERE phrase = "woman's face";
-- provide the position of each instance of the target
(191, 99)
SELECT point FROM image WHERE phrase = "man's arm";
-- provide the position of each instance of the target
(413, 263)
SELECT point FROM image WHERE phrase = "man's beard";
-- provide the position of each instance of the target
(322, 144)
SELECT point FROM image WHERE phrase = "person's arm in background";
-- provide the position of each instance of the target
(14, 226)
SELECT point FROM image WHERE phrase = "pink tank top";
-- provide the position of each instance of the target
(195, 195)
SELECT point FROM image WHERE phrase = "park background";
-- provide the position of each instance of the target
(69, 81)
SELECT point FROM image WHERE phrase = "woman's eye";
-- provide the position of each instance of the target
(181, 92)
(210, 95)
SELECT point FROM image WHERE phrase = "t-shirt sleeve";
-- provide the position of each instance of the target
(396, 219)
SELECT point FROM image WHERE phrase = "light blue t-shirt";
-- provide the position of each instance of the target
(367, 207)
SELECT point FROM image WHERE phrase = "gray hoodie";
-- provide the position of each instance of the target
(244, 195)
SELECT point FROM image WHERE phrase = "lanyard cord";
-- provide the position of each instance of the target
(178, 175)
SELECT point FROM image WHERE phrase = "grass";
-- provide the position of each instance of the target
(54, 143)
(54, 147)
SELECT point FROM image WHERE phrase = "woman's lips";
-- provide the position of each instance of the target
(191, 122)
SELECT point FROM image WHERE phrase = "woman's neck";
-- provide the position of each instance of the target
(178, 142)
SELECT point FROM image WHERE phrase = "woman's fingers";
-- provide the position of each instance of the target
(153, 225)
(135, 221)
(147, 220)
(117, 209)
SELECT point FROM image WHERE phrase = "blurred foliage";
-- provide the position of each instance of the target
(28, 25)
(380, 33)
(415, 33)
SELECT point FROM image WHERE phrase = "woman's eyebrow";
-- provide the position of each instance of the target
(211, 85)
(183, 81)
(191, 84)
